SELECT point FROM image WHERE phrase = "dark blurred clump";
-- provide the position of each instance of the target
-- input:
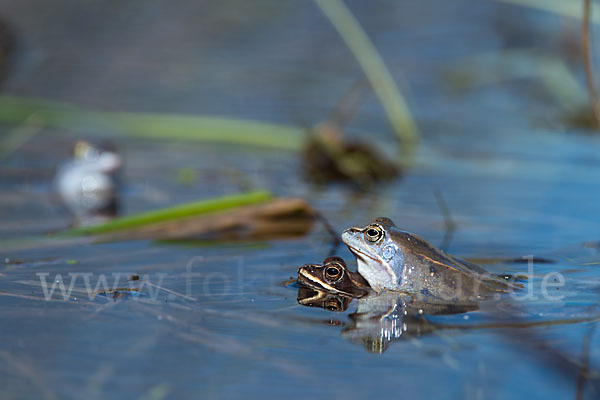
(328, 157)
(582, 118)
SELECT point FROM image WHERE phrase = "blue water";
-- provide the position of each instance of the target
(226, 322)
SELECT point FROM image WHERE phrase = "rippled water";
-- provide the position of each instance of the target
(224, 320)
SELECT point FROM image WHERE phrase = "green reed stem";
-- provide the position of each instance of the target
(18, 110)
(174, 213)
(381, 80)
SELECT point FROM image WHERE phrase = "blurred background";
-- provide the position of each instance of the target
(494, 87)
(495, 155)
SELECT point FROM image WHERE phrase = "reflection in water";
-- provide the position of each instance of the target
(318, 298)
(382, 318)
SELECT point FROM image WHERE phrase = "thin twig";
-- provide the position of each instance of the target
(448, 222)
(335, 239)
(172, 292)
(346, 107)
(587, 59)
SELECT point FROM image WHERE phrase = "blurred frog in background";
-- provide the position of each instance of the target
(88, 184)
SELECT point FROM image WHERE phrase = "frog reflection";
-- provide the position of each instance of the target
(380, 318)
(317, 298)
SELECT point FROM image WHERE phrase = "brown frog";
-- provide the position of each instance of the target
(333, 276)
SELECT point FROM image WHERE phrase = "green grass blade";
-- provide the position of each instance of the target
(174, 213)
(18, 111)
(376, 71)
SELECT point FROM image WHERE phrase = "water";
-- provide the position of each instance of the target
(226, 321)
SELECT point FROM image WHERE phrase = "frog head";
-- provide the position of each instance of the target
(378, 252)
(333, 276)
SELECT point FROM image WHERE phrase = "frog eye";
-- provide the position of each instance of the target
(373, 233)
(333, 272)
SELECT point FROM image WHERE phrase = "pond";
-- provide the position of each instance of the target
(223, 318)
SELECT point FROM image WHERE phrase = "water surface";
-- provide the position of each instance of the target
(224, 322)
